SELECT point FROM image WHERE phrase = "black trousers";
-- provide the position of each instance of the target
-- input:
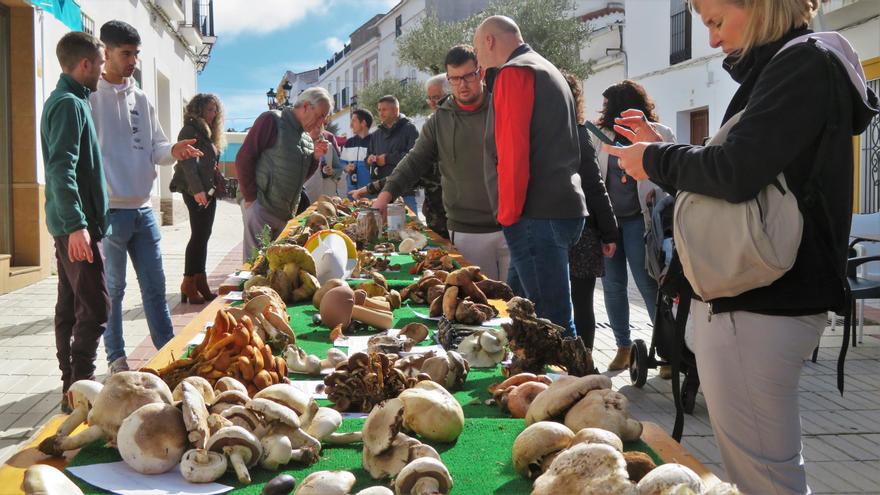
(582, 301)
(80, 312)
(201, 223)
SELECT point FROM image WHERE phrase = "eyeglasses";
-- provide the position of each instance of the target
(468, 78)
(435, 98)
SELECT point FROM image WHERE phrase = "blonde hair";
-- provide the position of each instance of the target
(196, 108)
(769, 20)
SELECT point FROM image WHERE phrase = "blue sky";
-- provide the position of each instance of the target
(257, 40)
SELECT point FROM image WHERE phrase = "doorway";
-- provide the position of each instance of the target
(5, 138)
(699, 126)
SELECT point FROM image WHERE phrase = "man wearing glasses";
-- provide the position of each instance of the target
(453, 138)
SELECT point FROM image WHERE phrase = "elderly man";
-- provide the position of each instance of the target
(390, 142)
(453, 138)
(532, 157)
(279, 152)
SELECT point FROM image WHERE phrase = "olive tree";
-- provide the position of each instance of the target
(410, 93)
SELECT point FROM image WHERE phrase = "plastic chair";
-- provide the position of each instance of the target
(863, 224)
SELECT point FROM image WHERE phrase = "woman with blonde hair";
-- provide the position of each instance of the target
(197, 179)
(802, 97)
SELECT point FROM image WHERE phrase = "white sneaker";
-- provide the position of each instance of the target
(120, 364)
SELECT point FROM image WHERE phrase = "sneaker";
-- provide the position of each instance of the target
(120, 364)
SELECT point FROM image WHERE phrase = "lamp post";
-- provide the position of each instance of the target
(287, 87)
(270, 99)
(353, 105)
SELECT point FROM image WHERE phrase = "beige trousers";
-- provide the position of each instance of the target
(488, 251)
(749, 367)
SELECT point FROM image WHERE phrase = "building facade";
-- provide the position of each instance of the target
(177, 37)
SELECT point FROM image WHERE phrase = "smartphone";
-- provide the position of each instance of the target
(601, 135)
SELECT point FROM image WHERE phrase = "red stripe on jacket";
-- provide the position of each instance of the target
(514, 99)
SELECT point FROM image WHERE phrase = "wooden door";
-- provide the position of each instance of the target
(699, 126)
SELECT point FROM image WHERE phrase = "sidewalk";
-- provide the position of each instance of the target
(842, 434)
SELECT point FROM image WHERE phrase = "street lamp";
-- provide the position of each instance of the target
(287, 87)
(354, 103)
(270, 99)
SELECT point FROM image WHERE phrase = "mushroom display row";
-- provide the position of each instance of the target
(516, 393)
(291, 272)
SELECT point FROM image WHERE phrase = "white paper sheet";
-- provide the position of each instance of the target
(425, 349)
(426, 317)
(235, 295)
(117, 477)
(311, 387)
(496, 322)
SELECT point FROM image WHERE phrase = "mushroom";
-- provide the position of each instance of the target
(722, 488)
(325, 287)
(122, 394)
(317, 222)
(280, 485)
(42, 479)
(586, 468)
(298, 361)
(521, 397)
(228, 399)
(227, 383)
(415, 331)
(83, 393)
(519, 379)
(200, 385)
(338, 307)
(387, 344)
(484, 348)
(450, 370)
(240, 446)
(195, 415)
(152, 439)
(326, 483)
(403, 450)
(536, 443)
(375, 490)
(604, 409)
(432, 412)
(423, 476)
(202, 466)
(450, 302)
(378, 303)
(638, 464)
(289, 396)
(244, 417)
(382, 425)
(562, 394)
(284, 440)
(324, 425)
(666, 476)
(215, 422)
(598, 435)
(406, 245)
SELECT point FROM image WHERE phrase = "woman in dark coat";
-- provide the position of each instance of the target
(600, 234)
(197, 180)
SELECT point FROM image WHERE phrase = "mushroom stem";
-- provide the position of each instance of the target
(76, 418)
(426, 486)
(344, 438)
(378, 318)
(241, 470)
(374, 304)
(57, 445)
(305, 455)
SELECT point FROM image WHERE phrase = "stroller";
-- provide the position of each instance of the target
(673, 305)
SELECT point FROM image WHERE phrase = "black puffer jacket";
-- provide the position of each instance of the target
(394, 142)
(195, 175)
(793, 102)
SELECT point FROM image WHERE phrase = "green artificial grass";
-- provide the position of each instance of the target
(479, 461)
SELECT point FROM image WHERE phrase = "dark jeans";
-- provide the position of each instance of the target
(582, 301)
(201, 222)
(539, 265)
(80, 312)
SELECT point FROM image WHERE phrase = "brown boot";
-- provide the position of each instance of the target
(202, 286)
(621, 359)
(189, 291)
(665, 372)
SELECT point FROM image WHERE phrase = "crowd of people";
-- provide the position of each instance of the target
(517, 179)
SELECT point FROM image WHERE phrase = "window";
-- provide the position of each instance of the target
(398, 26)
(358, 79)
(88, 24)
(679, 32)
(344, 98)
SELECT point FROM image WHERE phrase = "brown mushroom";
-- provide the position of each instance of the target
(240, 446)
(423, 476)
(604, 409)
(638, 464)
(562, 395)
(415, 331)
(325, 287)
(521, 397)
(338, 307)
(450, 370)
(152, 439)
(537, 442)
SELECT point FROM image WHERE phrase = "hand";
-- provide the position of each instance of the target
(380, 160)
(183, 150)
(79, 246)
(609, 249)
(248, 204)
(629, 158)
(328, 169)
(651, 196)
(381, 202)
(349, 168)
(358, 193)
(371, 159)
(633, 125)
(201, 198)
(321, 148)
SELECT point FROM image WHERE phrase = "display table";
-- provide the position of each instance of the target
(479, 461)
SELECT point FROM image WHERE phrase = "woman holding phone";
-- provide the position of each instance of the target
(197, 180)
(802, 97)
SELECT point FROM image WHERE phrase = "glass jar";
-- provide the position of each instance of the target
(369, 225)
(396, 217)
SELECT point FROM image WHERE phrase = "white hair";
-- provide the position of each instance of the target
(438, 80)
(314, 96)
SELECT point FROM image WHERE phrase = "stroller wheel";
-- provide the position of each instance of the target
(638, 363)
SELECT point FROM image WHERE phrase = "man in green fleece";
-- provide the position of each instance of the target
(76, 208)
(453, 138)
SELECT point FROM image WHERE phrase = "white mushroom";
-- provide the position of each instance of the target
(484, 348)
(604, 409)
(723, 488)
(598, 435)
(200, 384)
(284, 440)
(450, 370)
(228, 383)
(326, 483)
(42, 479)
(83, 393)
(666, 476)
(561, 395)
(536, 443)
(202, 466)
(586, 468)
(240, 446)
(299, 362)
(293, 398)
(432, 412)
(423, 476)
(324, 425)
(152, 439)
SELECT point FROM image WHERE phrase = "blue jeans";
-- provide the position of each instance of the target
(539, 265)
(135, 233)
(630, 249)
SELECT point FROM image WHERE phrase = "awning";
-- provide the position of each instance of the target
(66, 11)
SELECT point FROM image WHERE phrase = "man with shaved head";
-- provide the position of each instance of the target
(531, 162)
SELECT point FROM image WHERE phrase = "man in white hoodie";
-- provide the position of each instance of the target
(132, 143)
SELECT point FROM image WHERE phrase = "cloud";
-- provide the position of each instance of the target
(334, 44)
(235, 17)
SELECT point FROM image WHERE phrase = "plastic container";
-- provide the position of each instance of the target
(396, 217)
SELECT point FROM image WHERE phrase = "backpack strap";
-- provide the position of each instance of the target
(681, 316)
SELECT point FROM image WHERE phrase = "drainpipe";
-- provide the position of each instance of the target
(620, 49)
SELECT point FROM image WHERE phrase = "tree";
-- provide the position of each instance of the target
(410, 94)
(549, 26)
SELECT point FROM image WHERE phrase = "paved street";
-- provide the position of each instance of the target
(842, 442)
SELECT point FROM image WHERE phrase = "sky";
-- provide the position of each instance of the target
(257, 40)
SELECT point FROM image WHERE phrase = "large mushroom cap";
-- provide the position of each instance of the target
(535, 443)
(227, 383)
(392, 460)
(200, 384)
(586, 468)
(152, 439)
(240, 445)
(202, 466)
(598, 435)
(606, 409)
(382, 425)
(562, 394)
(336, 306)
(667, 476)
(290, 396)
(423, 475)
(326, 483)
(42, 479)
(85, 392)
(195, 415)
(244, 417)
(432, 412)
(274, 412)
(122, 394)
(227, 399)
(325, 287)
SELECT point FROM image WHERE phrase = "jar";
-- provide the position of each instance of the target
(396, 217)
(369, 225)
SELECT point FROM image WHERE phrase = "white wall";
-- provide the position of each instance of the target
(411, 12)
